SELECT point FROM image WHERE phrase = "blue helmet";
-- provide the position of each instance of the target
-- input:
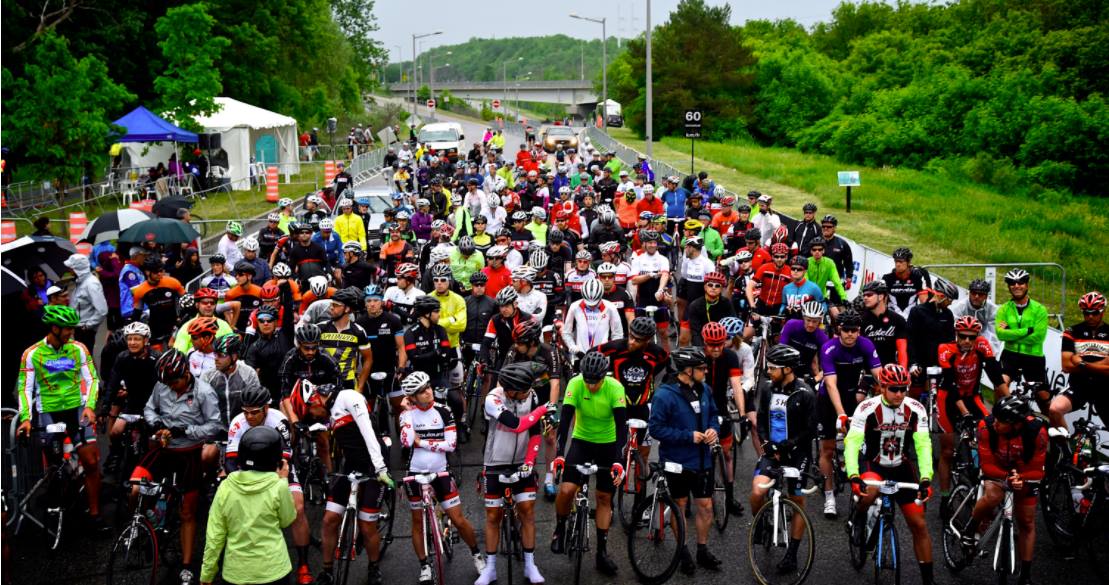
(397, 196)
(733, 325)
(372, 291)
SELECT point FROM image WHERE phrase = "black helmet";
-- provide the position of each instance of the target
(979, 286)
(1012, 409)
(643, 327)
(466, 245)
(517, 377)
(171, 365)
(809, 208)
(829, 219)
(876, 286)
(593, 367)
(244, 267)
(945, 288)
(349, 296)
(308, 333)
(903, 254)
(153, 264)
(255, 396)
(753, 235)
(687, 357)
(555, 236)
(425, 305)
(479, 279)
(784, 356)
(228, 344)
(849, 318)
(526, 332)
(260, 449)
(817, 241)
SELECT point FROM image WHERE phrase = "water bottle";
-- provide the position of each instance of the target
(871, 519)
(158, 513)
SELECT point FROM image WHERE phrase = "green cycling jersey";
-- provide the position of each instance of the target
(56, 379)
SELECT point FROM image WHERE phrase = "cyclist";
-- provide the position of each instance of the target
(616, 296)
(354, 435)
(532, 301)
(1022, 327)
(1012, 449)
(800, 290)
(206, 305)
(498, 332)
(597, 402)
(219, 280)
(255, 412)
(499, 276)
(358, 271)
(844, 359)
(329, 238)
(886, 329)
(266, 350)
(808, 338)
(743, 286)
(268, 236)
(963, 364)
(786, 422)
(610, 253)
(527, 347)
(130, 383)
(590, 321)
(319, 291)
(650, 273)
(428, 431)
(1084, 353)
(453, 320)
(773, 277)
(549, 283)
(725, 378)
(583, 271)
(905, 282)
(401, 296)
(262, 272)
(386, 334)
(244, 297)
(891, 425)
(159, 294)
(465, 259)
(202, 333)
(708, 307)
(184, 412)
(930, 325)
(978, 305)
(307, 362)
(58, 383)
(684, 420)
(512, 444)
(427, 344)
(230, 379)
(480, 308)
(692, 272)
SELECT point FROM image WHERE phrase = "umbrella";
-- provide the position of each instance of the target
(160, 230)
(108, 226)
(168, 206)
(12, 283)
(29, 252)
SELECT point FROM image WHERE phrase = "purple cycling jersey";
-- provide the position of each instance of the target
(795, 336)
(847, 363)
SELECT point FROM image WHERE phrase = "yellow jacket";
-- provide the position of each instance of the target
(351, 229)
(452, 314)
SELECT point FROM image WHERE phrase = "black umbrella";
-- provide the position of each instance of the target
(12, 283)
(160, 230)
(108, 226)
(168, 206)
(47, 252)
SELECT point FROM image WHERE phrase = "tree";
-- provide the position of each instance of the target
(191, 80)
(357, 22)
(58, 114)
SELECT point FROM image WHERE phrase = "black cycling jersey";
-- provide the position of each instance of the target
(428, 349)
(884, 331)
(321, 369)
(383, 331)
(135, 374)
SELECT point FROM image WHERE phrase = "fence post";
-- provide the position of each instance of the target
(7, 231)
(328, 172)
(77, 223)
(272, 192)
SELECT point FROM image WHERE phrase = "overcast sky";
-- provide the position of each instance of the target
(461, 21)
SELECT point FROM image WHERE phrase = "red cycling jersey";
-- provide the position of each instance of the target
(1024, 451)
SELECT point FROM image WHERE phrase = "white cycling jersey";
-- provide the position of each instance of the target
(534, 303)
(437, 433)
(402, 297)
(695, 269)
(587, 327)
(352, 430)
(274, 420)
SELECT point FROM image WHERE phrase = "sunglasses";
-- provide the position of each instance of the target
(870, 294)
(253, 411)
(849, 329)
(714, 285)
(965, 336)
(440, 279)
(897, 389)
(1092, 312)
(780, 256)
(266, 320)
(607, 276)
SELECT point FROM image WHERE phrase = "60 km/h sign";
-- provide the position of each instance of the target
(431, 104)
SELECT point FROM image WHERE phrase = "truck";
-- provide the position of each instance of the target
(613, 115)
(445, 138)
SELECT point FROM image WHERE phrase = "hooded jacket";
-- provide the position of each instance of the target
(245, 522)
(88, 297)
(674, 418)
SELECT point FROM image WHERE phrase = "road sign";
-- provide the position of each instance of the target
(848, 178)
(413, 121)
(497, 104)
(431, 104)
(692, 121)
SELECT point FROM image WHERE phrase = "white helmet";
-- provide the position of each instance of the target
(438, 255)
(500, 184)
(539, 214)
(648, 188)
(415, 382)
(282, 270)
(318, 286)
(525, 273)
(284, 202)
(315, 199)
(250, 244)
(719, 191)
(812, 310)
(497, 251)
(327, 224)
(606, 268)
(494, 201)
(564, 190)
(137, 328)
(273, 216)
(591, 291)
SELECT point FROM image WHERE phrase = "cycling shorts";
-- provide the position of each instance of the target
(1079, 398)
(1017, 366)
(371, 494)
(827, 422)
(583, 452)
(689, 290)
(445, 488)
(79, 433)
(904, 473)
(949, 411)
(698, 483)
(185, 463)
(523, 489)
(795, 459)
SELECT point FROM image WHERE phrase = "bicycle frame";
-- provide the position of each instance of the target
(886, 490)
(775, 485)
(436, 530)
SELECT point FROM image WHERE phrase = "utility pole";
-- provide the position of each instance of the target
(604, 66)
(650, 92)
(414, 61)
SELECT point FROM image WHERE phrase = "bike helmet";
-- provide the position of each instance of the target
(228, 344)
(466, 245)
(538, 260)
(593, 367)
(153, 264)
(260, 449)
(555, 236)
(479, 279)
(753, 235)
(307, 333)
(318, 286)
(517, 376)
(442, 271)
(136, 328)
(877, 287)
(945, 288)
(349, 296)
(1012, 409)
(526, 332)
(643, 327)
(270, 291)
(607, 217)
(714, 333)
(903, 254)
(606, 268)
(779, 249)
(647, 215)
(244, 267)
(538, 213)
(408, 270)
(716, 277)
(425, 305)
(186, 303)
(282, 270)
(217, 259)
(284, 202)
(497, 251)
(437, 255)
(1017, 275)
(692, 224)
(256, 396)
(273, 216)
(250, 244)
(235, 228)
(979, 285)
(403, 215)
(314, 199)
(812, 310)
(744, 256)
(415, 382)
(783, 356)
(421, 202)
(809, 208)
(267, 312)
(687, 357)
(345, 203)
(968, 323)
(60, 315)
(584, 255)
(507, 296)
(849, 318)
(694, 241)
(829, 219)
(300, 228)
(372, 291)
(171, 365)
(203, 326)
(327, 224)
(352, 247)
(205, 294)
(646, 235)
(894, 375)
(1092, 302)
(733, 325)
(525, 273)
(518, 216)
(591, 292)
(608, 248)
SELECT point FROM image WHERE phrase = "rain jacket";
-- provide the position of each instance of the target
(244, 523)
(88, 297)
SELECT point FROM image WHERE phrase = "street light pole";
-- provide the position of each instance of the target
(400, 68)
(604, 65)
(650, 83)
(414, 58)
(504, 76)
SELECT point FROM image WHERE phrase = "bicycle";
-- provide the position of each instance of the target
(1060, 491)
(1091, 525)
(511, 546)
(880, 533)
(310, 468)
(577, 533)
(1001, 530)
(379, 402)
(720, 487)
(771, 529)
(635, 470)
(964, 464)
(58, 490)
(651, 562)
(437, 528)
(763, 341)
(349, 535)
(930, 398)
(137, 552)
(471, 387)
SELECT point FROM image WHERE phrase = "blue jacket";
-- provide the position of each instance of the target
(130, 276)
(262, 273)
(793, 296)
(675, 203)
(559, 182)
(673, 422)
(333, 247)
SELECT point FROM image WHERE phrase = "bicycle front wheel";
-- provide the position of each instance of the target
(770, 539)
(628, 492)
(654, 548)
(1058, 507)
(433, 544)
(887, 555)
(955, 556)
(579, 543)
(134, 556)
(386, 518)
(719, 491)
(508, 544)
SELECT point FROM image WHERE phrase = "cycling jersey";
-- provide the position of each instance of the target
(354, 434)
(56, 379)
(889, 334)
(383, 332)
(498, 279)
(1092, 345)
(274, 420)
(773, 280)
(889, 434)
(134, 373)
(321, 369)
(534, 303)
(903, 291)
(718, 378)
(700, 312)
(513, 437)
(823, 272)
(1026, 327)
(929, 326)
(229, 389)
(479, 311)
(787, 416)
(221, 283)
(250, 298)
(962, 375)
(452, 314)
(1025, 451)
(429, 351)
(587, 327)
(648, 264)
(574, 280)
(437, 433)
(499, 331)
(183, 342)
(346, 348)
(693, 271)
(201, 362)
(620, 300)
(808, 344)
(794, 296)
(197, 411)
(636, 371)
(594, 419)
(395, 295)
(848, 363)
(161, 300)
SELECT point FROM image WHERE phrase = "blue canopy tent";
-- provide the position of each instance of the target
(142, 125)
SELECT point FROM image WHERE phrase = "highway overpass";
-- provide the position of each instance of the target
(578, 94)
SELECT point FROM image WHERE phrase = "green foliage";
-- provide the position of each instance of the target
(191, 80)
(357, 22)
(57, 116)
(423, 93)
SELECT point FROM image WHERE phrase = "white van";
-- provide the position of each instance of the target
(445, 138)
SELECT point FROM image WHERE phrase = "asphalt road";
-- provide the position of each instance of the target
(83, 556)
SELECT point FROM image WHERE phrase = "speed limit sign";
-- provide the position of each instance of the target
(692, 121)
(496, 104)
(431, 104)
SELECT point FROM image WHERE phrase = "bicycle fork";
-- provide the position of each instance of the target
(1008, 534)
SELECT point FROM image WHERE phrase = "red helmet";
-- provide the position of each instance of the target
(1092, 302)
(968, 323)
(781, 235)
(714, 333)
(205, 293)
(526, 332)
(270, 291)
(779, 249)
(893, 375)
(203, 326)
(408, 270)
(716, 277)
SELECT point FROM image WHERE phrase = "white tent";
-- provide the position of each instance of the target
(249, 131)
